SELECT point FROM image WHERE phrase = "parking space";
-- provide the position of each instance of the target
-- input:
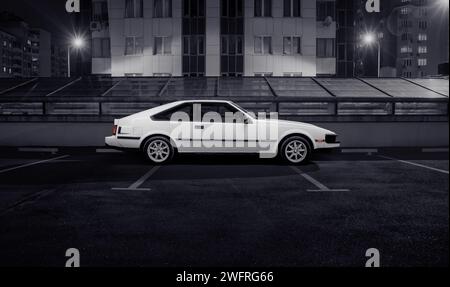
(118, 209)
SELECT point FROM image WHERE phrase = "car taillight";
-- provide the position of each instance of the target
(114, 130)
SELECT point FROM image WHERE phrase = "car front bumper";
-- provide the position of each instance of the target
(328, 145)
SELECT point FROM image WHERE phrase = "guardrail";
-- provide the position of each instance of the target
(285, 106)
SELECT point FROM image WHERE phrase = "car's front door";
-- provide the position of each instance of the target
(223, 128)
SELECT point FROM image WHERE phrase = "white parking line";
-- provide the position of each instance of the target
(415, 164)
(32, 163)
(135, 186)
(321, 187)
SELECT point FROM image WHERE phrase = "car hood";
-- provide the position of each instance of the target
(292, 124)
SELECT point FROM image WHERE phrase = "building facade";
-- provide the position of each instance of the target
(41, 58)
(413, 35)
(214, 37)
(59, 61)
(26, 51)
(15, 26)
(7, 52)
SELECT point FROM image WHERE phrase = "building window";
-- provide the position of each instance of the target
(232, 45)
(292, 8)
(423, 25)
(232, 38)
(422, 62)
(263, 45)
(101, 48)
(422, 37)
(325, 48)
(162, 46)
(406, 49)
(193, 44)
(291, 45)
(194, 8)
(133, 9)
(133, 45)
(324, 9)
(407, 62)
(263, 8)
(422, 49)
(100, 11)
(406, 37)
(405, 24)
(404, 11)
(162, 8)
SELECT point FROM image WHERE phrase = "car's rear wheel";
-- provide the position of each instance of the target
(159, 150)
(296, 150)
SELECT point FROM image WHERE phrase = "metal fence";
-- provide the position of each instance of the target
(112, 97)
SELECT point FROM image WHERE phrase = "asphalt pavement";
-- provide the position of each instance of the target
(120, 210)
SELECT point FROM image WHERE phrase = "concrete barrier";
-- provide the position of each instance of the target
(351, 134)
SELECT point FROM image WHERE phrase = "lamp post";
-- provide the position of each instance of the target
(372, 38)
(76, 43)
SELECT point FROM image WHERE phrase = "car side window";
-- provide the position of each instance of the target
(225, 111)
(178, 111)
(230, 114)
(208, 111)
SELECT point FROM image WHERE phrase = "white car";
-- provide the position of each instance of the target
(205, 126)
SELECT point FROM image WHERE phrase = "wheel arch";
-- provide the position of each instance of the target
(299, 134)
(147, 137)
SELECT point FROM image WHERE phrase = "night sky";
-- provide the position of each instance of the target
(49, 15)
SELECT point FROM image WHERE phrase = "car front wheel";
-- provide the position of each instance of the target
(159, 150)
(296, 150)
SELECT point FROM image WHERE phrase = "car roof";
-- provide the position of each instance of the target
(203, 101)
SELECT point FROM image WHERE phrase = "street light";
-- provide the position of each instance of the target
(370, 39)
(76, 43)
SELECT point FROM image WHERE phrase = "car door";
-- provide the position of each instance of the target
(240, 130)
(206, 127)
(223, 128)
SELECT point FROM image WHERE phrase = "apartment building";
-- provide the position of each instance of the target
(59, 61)
(41, 58)
(24, 51)
(413, 36)
(214, 37)
(15, 26)
(7, 52)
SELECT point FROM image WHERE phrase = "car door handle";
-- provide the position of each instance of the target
(200, 127)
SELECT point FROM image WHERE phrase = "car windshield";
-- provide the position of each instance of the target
(248, 113)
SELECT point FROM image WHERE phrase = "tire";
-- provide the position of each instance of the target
(158, 150)
(295, 150)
